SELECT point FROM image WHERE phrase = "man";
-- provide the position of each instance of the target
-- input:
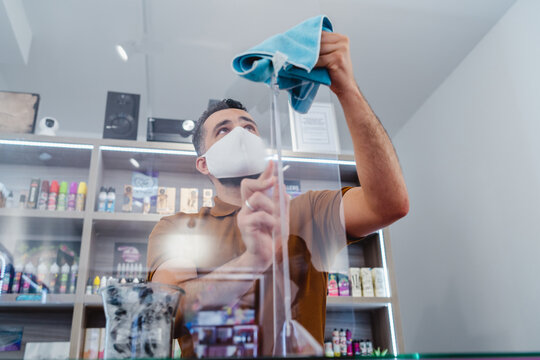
(192, 251)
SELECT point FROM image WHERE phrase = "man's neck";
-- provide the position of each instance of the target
(229, 194)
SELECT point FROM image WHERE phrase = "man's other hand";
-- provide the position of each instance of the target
(259, 216)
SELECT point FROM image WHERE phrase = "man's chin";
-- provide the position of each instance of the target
(235, 181)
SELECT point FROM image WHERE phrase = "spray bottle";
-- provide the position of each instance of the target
(42, 274)
(64, 276)
(72, 197)
(102, 205)
(81, 196)
(53, 277)
(43, 195)
(16, 287)
(62, 196)
(53, 196)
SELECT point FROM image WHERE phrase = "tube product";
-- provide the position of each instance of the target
(43, 195)
(53, 196)
(62, 196)
(72, 196)
(33, 194)
(81, 196)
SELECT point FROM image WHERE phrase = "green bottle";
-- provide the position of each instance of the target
(62, 196)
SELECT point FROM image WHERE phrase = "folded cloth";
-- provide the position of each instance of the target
(298, 49)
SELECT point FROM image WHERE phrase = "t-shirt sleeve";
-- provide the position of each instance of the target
(158, 243)
(325, 235)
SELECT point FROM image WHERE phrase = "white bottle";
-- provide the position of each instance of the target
(103, 282)
(29, 270)
(64, 277)
(102, 205)
(74, 272)
(53, 277)
(111, 199)
(42, 271)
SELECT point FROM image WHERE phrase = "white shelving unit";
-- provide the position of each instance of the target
(106, 162)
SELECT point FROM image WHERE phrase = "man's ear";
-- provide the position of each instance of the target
(201, 166)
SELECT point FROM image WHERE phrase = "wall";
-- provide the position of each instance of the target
(467, 254)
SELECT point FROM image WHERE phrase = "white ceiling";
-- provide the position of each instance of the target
(401, 52)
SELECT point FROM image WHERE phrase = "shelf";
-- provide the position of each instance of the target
(93, 300)
(27, 149)
(41, 224)
(51, 301)
(356, 303)
(45, 214)
(124, 223)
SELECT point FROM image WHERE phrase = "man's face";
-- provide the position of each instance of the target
(223, 122)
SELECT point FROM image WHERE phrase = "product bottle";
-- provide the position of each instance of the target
(369, 347)
(146, 205)
(10, 202)
(103, 282)
(88, 287)
(95, 286)
(42, 271)
(342, 343)
(33, 194)
(74, 272)
(53, 196)
(335, 343)
(53, 277)
(111, 199)
(348, 335)
(7, 281)
(17, 278)
(72, 196)
(62, 196)
(43, 195)
(102, 205)
(22, 201)
(64, 277)
(81, 196)
(29, 271)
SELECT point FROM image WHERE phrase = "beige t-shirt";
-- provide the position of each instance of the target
(316, 235)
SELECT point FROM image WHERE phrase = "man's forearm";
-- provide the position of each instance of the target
(226, 285)
(377, 164)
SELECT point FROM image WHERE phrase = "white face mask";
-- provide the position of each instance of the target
(239, 153)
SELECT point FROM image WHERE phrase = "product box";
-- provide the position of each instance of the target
(127, 205)
(343, 285)
(46, 350)
(101, 350)
(208, 194)
(91, 343)
(356, 281)
(189, 200)
(379, 282)
(333, 289)
(367, 282)
(166, 200)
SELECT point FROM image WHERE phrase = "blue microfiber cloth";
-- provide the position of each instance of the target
(297, 50)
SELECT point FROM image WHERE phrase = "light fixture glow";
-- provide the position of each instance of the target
(122, 53)
(46, 144)
(392, 329)
(148, 151)
(318, 161)
(385, 268)
(134, 162)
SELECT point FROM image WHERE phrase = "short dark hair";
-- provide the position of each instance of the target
(198, 132)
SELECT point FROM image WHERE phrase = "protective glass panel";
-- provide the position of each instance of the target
(105, 199)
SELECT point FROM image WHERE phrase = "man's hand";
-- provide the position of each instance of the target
(335, 56)
(260, 219)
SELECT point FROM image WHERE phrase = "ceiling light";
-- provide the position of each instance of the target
(122, 53)
(148, 150)
(134, 163)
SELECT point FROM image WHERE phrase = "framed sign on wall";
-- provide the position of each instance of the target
(18, 112)
(315, 131)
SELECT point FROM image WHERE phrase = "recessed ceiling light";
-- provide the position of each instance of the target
(122, 53)
(134, 163)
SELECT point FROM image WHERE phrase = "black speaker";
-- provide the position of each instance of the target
(170, 130)
(121, 116)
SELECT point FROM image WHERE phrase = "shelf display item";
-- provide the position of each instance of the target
(127, 205)
(379, 283)
(33, 194)
(343, 285)
(189, 200)
(367, 282)
(144, 185)
(139, 320)
(356, 282)
(165, 201)
(53, 196)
